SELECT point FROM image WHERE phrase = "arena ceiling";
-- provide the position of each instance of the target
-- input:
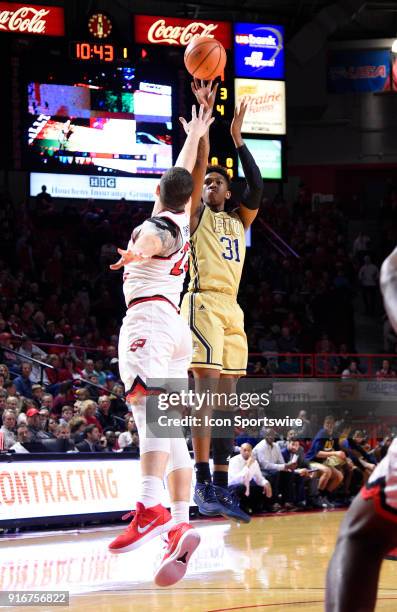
(343, 19)
(377, 18)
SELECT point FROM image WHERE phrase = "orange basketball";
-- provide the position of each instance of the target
(205, 58)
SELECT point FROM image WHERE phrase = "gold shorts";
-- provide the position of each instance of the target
(332, 462)
(217, 324)
(316, 465)
(335, 462)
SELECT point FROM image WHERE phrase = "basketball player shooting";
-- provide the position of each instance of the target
(210, 305)
(369, 530)
(155, 343)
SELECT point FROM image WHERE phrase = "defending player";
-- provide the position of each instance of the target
(369, 530)
(210, 305)
(155, 343)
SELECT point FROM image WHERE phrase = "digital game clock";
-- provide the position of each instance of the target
(97, 52)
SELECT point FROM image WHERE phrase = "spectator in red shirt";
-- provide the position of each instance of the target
(88, 412)
(70, 364)
(385, 371)
(59, 374)
(65, 397)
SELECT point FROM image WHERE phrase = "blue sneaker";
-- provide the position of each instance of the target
(206, 499)
(230, 507)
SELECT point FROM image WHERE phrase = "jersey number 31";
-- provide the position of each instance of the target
(232, 251)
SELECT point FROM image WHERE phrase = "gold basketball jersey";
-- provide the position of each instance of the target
(217, 253)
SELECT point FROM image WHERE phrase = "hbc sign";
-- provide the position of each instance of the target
(179, 32)
(31, 19)
(78, 186)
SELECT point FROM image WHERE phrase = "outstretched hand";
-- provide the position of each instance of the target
(205, 93)
(200, 123)
(126, 257)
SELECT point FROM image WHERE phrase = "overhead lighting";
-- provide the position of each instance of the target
(394, 47)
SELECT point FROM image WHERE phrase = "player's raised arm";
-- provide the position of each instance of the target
(205, 93)
(195, 129)
(252, 195)
(388, 284)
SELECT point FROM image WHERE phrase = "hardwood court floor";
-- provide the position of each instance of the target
(275, 563)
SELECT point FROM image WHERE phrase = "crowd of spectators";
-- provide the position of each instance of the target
(300, 298)
(301, 295)
(60, 305)
(66, 416)
(298, 295)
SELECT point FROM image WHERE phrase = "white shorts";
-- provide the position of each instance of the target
(155, 342)
(382, 485)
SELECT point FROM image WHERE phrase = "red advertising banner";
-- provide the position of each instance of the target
(179, 32)
(32, 19)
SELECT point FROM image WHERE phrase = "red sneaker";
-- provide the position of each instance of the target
(182, 542)
(146, 524)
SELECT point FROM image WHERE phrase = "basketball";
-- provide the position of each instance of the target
(205, 58)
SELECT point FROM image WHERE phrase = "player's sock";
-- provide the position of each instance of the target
(180, 512)
(202, 471)
(151, 491)
(219, 479)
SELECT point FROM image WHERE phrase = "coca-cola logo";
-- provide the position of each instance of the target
(178, 31)
(159, 32)
(31, 19)
(24, 19)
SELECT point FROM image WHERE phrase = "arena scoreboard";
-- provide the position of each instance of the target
(106, 101)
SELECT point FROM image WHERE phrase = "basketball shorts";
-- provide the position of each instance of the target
(155, 343)
(382, 485)
(217, 325)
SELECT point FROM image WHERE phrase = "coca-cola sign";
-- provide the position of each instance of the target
(31, 19)
(174, 31)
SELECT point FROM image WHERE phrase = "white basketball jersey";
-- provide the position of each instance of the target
(160, 275)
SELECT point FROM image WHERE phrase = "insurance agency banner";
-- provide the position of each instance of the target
(82, 186)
